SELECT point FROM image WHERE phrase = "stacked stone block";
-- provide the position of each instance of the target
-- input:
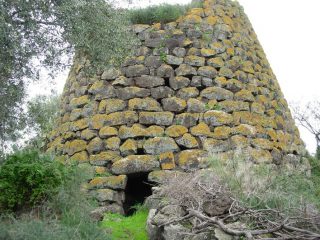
(195, 87)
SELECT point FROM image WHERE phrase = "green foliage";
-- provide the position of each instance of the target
(131, 227)
(163, 56)
(213, 107)
(28, 177)
(35, 34)
(315, 173)
(65, 216)
(264, 186)
(42, 112)
(164, 13)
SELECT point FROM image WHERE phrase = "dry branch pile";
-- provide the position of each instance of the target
(204, 203)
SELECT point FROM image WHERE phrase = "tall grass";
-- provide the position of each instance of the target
(163, 13)
(266, 186)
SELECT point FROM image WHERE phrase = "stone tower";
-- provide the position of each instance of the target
(196, 87)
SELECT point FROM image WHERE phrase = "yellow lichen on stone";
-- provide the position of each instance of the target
(136, 130)
(211, 20)
(80, 101)
(156, 26)
(272, 134)
(113, 182)
(176, 131)
(227, 20)
(196, 11)
(167, 161)
(186, 42)
(100, 170)
(247, 67)
(129, 147)
(97, 121)
(75, 146)
(154, 131)
(80, 157)
(239, 142)
(243, 117)
(80, 124)
(206, 52)
(188, 141)
(104, 157)
(146, 104)
(189, 159)
(260, 156)
(192, 19)
(244, 95)
(230, 51)
(217, 118)
(113, 143)
(108, 132)
(135, 164)
(177, 32)
(262, 143)
(201, 129)
(257, 108)
(222, 132)
(245, 129)
(119, 118)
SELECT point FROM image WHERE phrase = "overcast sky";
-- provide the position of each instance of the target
(289, 33)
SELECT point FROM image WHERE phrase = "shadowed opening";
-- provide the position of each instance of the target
(137, 190)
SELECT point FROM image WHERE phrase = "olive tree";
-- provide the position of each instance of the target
(41, 34)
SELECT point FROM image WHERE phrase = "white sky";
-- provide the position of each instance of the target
(289, 33)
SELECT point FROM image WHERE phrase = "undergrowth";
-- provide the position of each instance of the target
(160, 13)
(266, 186)
(127, 227)
(65, 215)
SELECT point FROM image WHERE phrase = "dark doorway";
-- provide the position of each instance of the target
(137, 190)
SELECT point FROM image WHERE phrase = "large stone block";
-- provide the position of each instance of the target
(135, 164)
(159, 145)
(157, 118)
(113, 182)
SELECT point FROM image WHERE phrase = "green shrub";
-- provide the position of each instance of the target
(131, 227)
(28, 177)
(65, 216)
(160, 13)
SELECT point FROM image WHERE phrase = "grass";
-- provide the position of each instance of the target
(264, 186)
(129, 228)
(163, 13)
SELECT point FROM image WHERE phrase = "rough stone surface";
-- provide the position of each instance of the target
(135, 164)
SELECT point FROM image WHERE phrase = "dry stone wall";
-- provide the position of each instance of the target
(201, 85)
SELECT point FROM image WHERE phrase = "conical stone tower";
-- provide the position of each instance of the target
(201, 85)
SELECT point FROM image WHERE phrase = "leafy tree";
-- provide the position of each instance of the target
(42, 112)
(46, 33)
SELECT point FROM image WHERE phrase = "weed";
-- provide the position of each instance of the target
(163, 56)
(216, 107)
(130, 227)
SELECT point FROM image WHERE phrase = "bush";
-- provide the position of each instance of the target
(65, 216)
(131, 227)
(161, 13)
(28, 177)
